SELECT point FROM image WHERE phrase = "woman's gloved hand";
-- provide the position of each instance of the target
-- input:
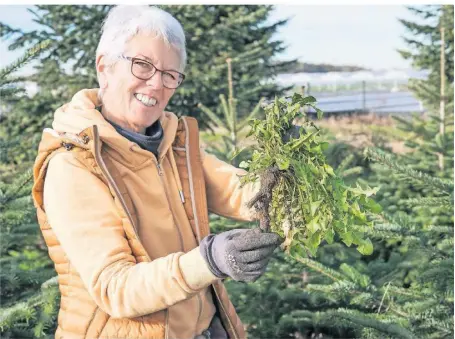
(242, 254)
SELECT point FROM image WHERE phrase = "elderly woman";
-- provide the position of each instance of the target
(122, 192)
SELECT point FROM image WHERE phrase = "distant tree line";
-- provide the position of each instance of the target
(300, 67)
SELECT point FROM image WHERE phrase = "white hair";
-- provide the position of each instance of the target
(124, 22)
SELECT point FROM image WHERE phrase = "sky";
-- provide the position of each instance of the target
(360, 35)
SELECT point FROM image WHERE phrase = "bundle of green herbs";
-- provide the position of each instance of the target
(301, 197)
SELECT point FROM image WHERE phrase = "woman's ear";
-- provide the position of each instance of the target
(101, 69)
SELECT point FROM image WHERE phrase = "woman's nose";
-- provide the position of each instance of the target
(155, 81)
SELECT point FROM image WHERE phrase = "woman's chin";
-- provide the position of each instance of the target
(147, 115)
(146, 122)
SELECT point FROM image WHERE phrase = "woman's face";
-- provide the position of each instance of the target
(131, 102)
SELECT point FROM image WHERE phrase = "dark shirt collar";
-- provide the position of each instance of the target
(149, 141)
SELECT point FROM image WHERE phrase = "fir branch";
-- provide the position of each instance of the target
(52, 282)
(430, 201)
(17, 186)
(10, 92)
(392, 231)
(215, 119)
(385, 159)
(309, 318)
(29, 55)
(352, 171)
(328, 272)
(42, 306)
(345, 163)
(6, 31)
(440, 229)
(337, 288)
(409, 293)
(363, 319)
(339, 316)
(253, 113)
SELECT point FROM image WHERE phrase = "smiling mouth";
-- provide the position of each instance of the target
(145, 100)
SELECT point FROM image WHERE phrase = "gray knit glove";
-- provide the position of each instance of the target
(242, 254)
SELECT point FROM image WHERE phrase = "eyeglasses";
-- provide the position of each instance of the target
(145, 70)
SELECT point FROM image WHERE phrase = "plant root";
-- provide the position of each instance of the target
(261, 201)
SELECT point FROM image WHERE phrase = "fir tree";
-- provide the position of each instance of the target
(424, 42)
(429, 138)
(29, 295)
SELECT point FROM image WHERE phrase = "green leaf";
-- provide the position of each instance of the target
(313, 242)
(316, 149)
(313, 225)
(359, 190)
(276, 107)
(372, 206)
(366, 247)
(314, 206)
(265, 132)
(297, 251)
(298, 98)
(299, 142)
(244, 164)
(343, 203)
(283, 164)
(347, 238)
(324, 145)
(237, 152)
(329, 236)
(312, 168)
(307, 100)
(329, 170)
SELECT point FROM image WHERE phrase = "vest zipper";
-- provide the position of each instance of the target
(158, 166)
(161, 174)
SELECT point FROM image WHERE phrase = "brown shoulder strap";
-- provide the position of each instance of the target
(189, 164)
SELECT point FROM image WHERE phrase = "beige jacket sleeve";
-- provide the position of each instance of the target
(81, 211)
(225, 197)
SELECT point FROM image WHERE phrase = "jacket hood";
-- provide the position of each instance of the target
(81, 113)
